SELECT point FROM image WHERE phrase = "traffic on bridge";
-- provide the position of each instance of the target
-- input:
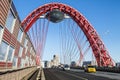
(59, 40)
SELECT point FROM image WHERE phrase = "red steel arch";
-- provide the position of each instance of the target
(101, 54)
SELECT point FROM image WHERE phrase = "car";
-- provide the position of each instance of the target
(90, 69)
(66, 67)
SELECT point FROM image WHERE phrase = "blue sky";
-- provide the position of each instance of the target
(104, 15)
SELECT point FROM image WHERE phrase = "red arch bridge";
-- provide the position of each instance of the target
(101, 54)
(77, 39)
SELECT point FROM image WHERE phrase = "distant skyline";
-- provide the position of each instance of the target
(104, 15)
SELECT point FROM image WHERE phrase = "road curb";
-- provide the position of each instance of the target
(41, 75)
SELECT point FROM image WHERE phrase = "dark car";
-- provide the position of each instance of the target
(66, 67)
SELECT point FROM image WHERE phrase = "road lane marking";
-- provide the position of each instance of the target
(75, 76)
(115, 76)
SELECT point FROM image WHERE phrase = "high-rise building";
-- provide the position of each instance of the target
(55, 61)
(47, 64)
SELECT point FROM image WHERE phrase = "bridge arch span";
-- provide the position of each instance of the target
(100, 52)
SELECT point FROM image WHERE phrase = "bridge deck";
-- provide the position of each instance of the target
(57, 74)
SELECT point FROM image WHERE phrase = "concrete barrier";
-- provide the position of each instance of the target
(16, 74)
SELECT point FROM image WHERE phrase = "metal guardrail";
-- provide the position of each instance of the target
(109, 69)
(16, 74)
(105, 69)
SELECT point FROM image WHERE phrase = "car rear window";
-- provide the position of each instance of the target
(91, 66)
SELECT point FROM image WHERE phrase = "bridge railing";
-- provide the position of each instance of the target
(109, 69)
(105, 69)
(16, 74)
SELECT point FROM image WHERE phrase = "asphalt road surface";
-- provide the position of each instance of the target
(58, 74)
